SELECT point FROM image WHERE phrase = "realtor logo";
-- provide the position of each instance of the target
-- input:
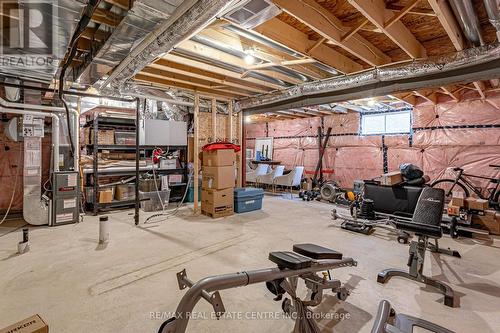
(27, 37)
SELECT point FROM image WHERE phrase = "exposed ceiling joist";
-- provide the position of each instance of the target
(328, 26)
(354, 30)
(406, 97)
(298, 41)
(94, 34)
(397, 16)
(282, 63)
(215, 54)
(448, 91)
(414, 11)
(292, 113)
(375, 11)
(181, 78)
(265, 52)
(106, 17)
(318, 110)
(195, 72)
(449, 23)
(308, 112)
(428, 95)
(217, 70)
(164, 83)
(123, 4)
(281, 115)
(480, 87)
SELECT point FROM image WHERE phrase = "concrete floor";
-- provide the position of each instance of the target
(78, 286)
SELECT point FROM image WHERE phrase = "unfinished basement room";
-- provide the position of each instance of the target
(296, 166)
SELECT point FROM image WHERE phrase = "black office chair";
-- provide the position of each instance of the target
(426, 224)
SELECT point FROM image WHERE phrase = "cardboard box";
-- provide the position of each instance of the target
(391, 178)
(218, 197)
(168, 164)
(221, 157)
(458, 199)
(453, 210)
(215, 211)
(106, 195)
(33, 324)
(104, 137)
(489, 221)
(217, 178)
(125, 192)
(117, 156)
(148, 185)
(476, 204)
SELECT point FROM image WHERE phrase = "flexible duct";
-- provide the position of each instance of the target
(165, 38)
(479, 63)
(492, 8)
(467, 18)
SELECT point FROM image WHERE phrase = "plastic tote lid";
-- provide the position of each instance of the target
(221, 145)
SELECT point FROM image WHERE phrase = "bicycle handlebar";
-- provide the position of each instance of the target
(458, 169)
(494, 166)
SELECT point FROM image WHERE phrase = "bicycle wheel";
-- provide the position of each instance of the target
(448, 185)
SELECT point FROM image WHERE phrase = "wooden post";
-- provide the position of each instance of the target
(196, 152)
(214, 120)
(230, 121)
(242, 154)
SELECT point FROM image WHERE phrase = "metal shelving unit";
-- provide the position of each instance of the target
(93, 175)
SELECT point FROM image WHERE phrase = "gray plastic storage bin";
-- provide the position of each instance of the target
(247, 199)
(150, 201)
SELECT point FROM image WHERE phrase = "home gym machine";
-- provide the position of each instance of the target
(426, 225)
(305, 262)
(387, 321)
(364, 219)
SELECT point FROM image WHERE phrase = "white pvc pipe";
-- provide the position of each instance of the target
(75, 122)
(55, 129)
(7, 104)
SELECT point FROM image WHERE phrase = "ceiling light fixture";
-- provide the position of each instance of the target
(249, 59)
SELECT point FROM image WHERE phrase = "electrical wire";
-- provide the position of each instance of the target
(13, 190)
(169, 214)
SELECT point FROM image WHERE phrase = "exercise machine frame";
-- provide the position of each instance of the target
(209, 287)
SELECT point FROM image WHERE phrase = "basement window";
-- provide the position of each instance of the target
(386, 123)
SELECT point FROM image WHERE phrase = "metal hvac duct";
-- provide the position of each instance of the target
(493, 10)
(164, 39)
(481, 63)
(141, 19)
(467, 18)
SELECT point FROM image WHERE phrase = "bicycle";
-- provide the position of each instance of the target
(461, 180)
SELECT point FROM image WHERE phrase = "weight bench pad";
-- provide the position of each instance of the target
(316, 252)
(290, 260)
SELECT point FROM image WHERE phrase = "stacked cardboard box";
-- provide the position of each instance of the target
(490, 221)
(457, 202)
(217, 185)
(391, 178)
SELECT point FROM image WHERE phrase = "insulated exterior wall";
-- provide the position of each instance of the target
(11, 165)
(464, 134)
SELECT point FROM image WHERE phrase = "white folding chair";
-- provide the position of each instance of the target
(290, 180)
(261, 170)
(268, 178)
